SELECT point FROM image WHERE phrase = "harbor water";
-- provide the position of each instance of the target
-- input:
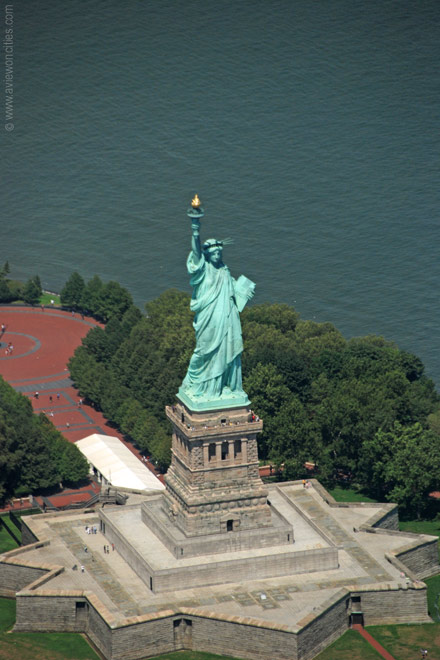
(310, 130)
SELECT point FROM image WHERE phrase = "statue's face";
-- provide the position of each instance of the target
(215, 256)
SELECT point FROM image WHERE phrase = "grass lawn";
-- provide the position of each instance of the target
(6, 541)
(405, 642)
(431, 527)
(351, 646)
(433, 585)
(10, 525)
(47, 297)
(38, 646)
(349, 495)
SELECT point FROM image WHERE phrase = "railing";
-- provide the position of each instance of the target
(73, 505)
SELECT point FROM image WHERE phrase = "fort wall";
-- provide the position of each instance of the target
(391, 604)
(145, 636)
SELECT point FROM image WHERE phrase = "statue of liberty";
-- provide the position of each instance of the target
(213, 379)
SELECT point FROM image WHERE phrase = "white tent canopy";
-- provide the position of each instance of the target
(117, 464)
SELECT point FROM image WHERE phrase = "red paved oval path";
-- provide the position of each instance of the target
(43, 342)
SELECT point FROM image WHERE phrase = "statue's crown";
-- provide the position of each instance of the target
(212, 244)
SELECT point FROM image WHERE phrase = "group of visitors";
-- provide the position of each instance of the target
(37, 396)
(91, 530)
(51, 412)
(9, 348)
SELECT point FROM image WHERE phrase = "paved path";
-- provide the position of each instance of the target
(351, 543)
(88, 550)
(43, 342)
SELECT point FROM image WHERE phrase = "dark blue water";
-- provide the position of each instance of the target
(309, 129)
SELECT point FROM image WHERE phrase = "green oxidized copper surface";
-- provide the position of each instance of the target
(213, 380)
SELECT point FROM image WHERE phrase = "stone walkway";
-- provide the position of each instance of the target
(338, 535)
(93, 561)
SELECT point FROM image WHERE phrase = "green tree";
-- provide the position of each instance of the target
(268, 393)
(16, 289)
(103, 301)
(25, 452)
(131, 317)
(89, 376)
(6, 294)
(128, 414)
(90, 300)
(97, 344)
(73, 466)
(113, 301)
(280, 316)
(10, 456)
(434, 421)
(150, 435)
(403, 465)
(265, 344)
(161, 448)
(112, 397)
(153, 360)
(294, 435)
(32, 291)
(70, 464)
(311, 339)
(72, 292)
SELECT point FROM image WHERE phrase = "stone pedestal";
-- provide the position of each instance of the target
(214, 496)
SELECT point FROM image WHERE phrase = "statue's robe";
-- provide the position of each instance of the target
(216, 361)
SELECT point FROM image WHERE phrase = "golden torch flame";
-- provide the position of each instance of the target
(196, 203)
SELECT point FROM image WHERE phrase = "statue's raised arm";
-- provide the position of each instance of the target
(195, 214)
(214, 379)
